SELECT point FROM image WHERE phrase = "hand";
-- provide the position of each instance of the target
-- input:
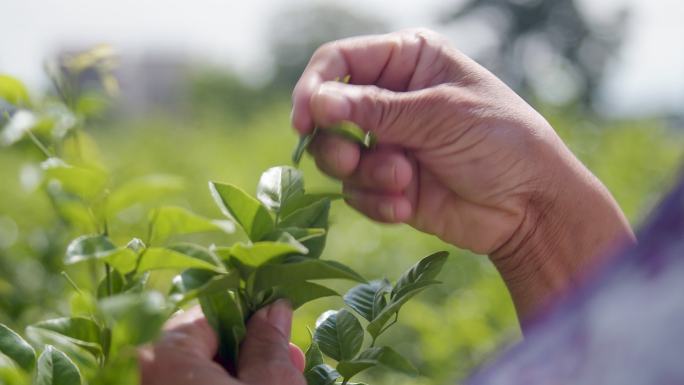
(185, 353)
(460, 155)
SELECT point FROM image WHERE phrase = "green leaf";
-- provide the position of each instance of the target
(88, 247)
(294, 235)
(312, 216)
(83, 354)
(321, 374)
(225, 316)
(80, 331)
(313, 355)
(368, 299)
(278, 185)
(193, 283)
(171, 220)
(138, 317)
(302, 145)
(339, 335)
(87, 183)
(13, 91)
(384, 356)
(248, 212)
(425, 270)
(115, 283)
(149, 188)
(375, 328)
(352, 132)
(298, 293)
(16, 348)
(413, 281)
(305, 200)
(258, 253)
(157, 258)
(123, 259)
(136, 283)
(56, 368)
(301, 269)
(197, 252)
(73, 210)
(82, 303)
(101, 248)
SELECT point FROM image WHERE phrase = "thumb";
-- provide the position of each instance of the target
(401, 118)
(265, 356)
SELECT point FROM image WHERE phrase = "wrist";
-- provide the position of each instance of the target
(569, 227)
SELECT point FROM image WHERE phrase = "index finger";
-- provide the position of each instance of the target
(387, 61)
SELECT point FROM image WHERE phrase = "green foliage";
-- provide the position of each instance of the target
(340, 336)
(227, 317)
(56, 368)
(16, 348)
(376, 356)
(286, 229)
(249, 213)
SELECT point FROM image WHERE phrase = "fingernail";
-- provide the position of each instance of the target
(387, 210)
(334, 101)
(280, 316)
(386, 174)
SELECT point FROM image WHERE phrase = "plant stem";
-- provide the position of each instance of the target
(108, 277)
(138, 260)
(38, 144)
(71, 282)
(396, 318)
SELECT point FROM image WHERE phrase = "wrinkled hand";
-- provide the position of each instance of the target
(184, 354)
(459, 155)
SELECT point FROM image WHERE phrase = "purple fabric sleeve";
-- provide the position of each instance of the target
(624, 327)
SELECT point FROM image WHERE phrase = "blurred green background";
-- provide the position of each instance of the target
(205, 123)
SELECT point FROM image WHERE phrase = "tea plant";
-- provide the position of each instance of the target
(340, 336)
(285, 228)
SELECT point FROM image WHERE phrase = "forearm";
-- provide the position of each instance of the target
(569, 226)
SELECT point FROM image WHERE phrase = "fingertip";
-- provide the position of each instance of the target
(402, 210)
(297, 357)
(301, 119)
(378, 206)
(329, 104)
(394, 210)
(300, 116)
(278, 315)
(336, 156)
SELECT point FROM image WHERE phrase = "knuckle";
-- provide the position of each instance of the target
(325, 50)
(374, 107)
(448, 96)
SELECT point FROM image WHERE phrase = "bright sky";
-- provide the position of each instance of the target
(648, 77)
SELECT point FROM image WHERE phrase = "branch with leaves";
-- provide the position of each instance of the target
(285, 228)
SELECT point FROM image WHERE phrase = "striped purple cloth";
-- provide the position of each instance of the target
(625, 327)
